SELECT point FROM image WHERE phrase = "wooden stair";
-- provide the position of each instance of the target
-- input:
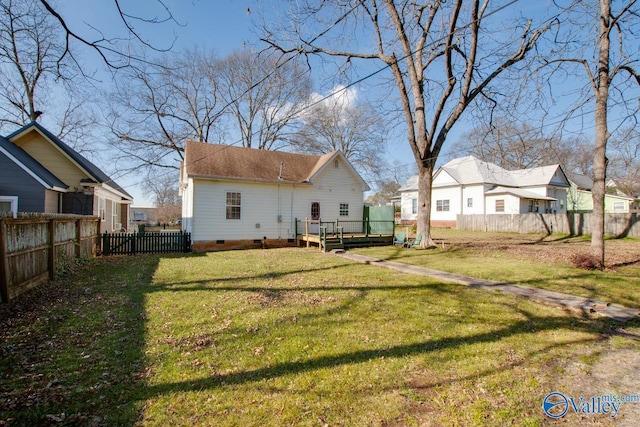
(333, 243)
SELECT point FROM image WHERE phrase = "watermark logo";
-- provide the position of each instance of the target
(556, 405)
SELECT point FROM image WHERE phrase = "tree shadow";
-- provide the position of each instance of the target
(367, 355)
(73, 350)
(97, 373)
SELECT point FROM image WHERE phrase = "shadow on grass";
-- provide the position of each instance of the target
(532, 323)
(73, 350)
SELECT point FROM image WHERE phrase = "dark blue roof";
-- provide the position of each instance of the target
(32, 164)
(92, 169)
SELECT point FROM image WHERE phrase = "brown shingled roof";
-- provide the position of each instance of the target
(225, 161)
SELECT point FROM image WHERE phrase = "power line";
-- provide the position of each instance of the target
(362, 79)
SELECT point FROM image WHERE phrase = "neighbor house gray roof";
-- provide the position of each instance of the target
(582, 182)
(216, 161)
(519, 192)
(30, 165)
(95, 172)
(471, 170)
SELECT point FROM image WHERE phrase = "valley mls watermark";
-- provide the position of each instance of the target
(556, 405)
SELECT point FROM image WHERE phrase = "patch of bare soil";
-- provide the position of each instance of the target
(615, 373)
(549, 249)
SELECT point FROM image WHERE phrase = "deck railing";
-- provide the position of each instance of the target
(365, 227)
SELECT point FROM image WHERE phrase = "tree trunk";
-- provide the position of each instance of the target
(602, 135)
(425, 180)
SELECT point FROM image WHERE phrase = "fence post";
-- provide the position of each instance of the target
(52, 248)
(78, 251)
(106, 247)
(4, 271)
(306, 230)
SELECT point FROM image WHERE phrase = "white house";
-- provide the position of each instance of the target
(470, 186)
(236, 197)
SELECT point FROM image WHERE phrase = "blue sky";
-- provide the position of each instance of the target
(225, 26)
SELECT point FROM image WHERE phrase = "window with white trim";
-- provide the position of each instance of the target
(618, 206)
(414, 206)
(344, 209)
(470, 202)
(102, 208)
(442, 205)
(115, 225)
(9, 204)
(234, 205)
(500, 205)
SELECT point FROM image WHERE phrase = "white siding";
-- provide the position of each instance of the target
(331, 187)
(476, 194)
(511, 204)
(187, 206)
(406, 205)
(443, 179)
(453, 195)
(263, 204)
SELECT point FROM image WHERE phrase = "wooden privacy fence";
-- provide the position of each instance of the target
(32, 249)
(575, 224)
(145, 243)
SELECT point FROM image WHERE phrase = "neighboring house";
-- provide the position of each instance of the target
(41, 173)
(580, 199)
(143, 214)
(470, 186)
(26, 185)
(237, 197)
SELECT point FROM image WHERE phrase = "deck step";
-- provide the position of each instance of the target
(332, 244)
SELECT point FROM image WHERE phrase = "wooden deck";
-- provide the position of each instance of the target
(344, 234)
(347, 241)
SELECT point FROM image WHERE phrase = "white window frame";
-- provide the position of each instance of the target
(500, 202)
(114, 216)
(414, 206)
(14, 203)
(102, 208)
(442, 205)
(469, 202)
(618, 206)
(227, 205)
(344, 209)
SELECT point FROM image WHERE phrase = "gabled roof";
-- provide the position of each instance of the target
(92, 170)
(471, 170)
(30, 165)
(519, 192)
(216, 161)
(582, 182)
(410, 185)
(542, 175)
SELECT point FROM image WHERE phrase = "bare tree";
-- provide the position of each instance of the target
(31, 53)
(341, 122)
(443, 56)
(263, 96)
(602, 61)
(520, 146)
(157, 107)
(116, 51)
(164, 190)
(624, 161)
